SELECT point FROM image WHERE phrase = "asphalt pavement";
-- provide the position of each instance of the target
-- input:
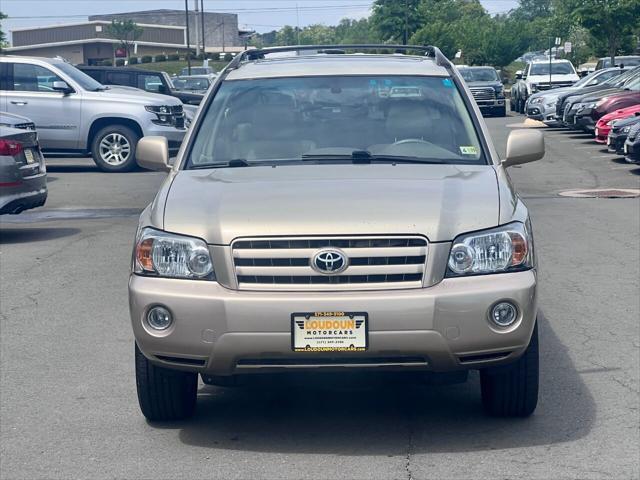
(68, 406)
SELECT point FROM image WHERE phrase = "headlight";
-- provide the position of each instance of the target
(165, 254)
(535, 101)
(504, 249)
(592, 105)
(163, 114)
(626, 129)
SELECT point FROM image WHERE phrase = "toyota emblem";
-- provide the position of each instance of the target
(329, 261)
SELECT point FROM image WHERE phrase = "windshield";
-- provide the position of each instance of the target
(479, 75)
(81, 78)
(190, 83)
(626, 61)
(564, 68)
(197, 71)
(321, 118)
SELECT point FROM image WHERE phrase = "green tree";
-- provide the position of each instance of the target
(610, 22)
(395, 20)
(287, 35)
(3, 37)
(126, 31)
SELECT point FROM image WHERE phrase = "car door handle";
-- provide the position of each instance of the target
(19, 102)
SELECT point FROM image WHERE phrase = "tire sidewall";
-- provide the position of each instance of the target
(131, 136)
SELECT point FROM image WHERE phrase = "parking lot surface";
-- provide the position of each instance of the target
(68, 403)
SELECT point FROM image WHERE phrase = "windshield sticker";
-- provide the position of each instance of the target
(469, 150)
(447, 83)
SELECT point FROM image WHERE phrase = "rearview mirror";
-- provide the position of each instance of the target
(60, 86)
(524, 146)
(153, 153)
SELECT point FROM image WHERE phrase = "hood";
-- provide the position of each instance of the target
(438, 201)
(569, 77)
(594, 96)
(622, 114)
(492, 84)
(116, 93)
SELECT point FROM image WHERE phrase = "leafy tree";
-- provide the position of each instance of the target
(610, 22)
(3, 38)
(126, 31)
(287, 35)
(396, 20)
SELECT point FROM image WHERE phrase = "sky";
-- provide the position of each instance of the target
(259, 15)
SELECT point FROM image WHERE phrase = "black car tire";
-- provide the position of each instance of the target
(512, 390)
(127, 137)
(164, 394)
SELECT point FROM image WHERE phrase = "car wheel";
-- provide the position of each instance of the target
(114, 149)
(512, 390)
(164, 394)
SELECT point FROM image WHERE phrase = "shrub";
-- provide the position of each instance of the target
(146, 59)
(106, 63)
(228, 57)
(161, 58)
(173, 57)
(214, 56)
(133, 60)
(119, 62)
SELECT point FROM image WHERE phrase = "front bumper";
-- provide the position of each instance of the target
(632, 151)
(615, 142)
(585, 122)
(219, 331)
(543, 113)
(602, 133)
(490, 104)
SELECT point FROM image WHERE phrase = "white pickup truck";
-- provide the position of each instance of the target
(75, 114)
(536, 77)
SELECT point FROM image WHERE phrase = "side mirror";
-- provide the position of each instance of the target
(153, 153)
(594, 82)
(518, 74)
(60, 86)
(524, 146)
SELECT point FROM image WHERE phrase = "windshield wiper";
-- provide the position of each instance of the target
(366, 157)
(236, 162)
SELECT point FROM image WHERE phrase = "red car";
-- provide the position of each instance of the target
(603, 126)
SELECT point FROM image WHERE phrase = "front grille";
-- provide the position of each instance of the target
(483, 94)
(332, 361)
(373, 263)
(546, 86)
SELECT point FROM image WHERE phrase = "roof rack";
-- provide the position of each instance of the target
(257, 53)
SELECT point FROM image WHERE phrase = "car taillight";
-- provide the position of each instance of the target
(10, 147)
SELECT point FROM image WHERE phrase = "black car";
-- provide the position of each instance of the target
(149, 80)
(632, 144)
(486, 87)
(619, 133)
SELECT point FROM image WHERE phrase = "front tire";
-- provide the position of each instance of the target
(512, 390)
(164, 394)
(114, 148)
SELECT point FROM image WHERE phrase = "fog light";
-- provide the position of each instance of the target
(504, 314)
(159, 318)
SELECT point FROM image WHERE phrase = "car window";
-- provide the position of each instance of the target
(150, 82)
(81, 78)
(318, 117)
(118, 78)
(33, 78)
(563, 68)
(479, 75)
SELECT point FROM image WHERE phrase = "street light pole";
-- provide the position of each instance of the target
(186, 16)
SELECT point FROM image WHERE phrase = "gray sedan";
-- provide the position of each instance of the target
(23, 175)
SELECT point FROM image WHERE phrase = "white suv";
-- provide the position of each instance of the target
(541, 75)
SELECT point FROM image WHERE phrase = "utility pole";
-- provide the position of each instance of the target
(549, 62)
(195, 2)
(297, 25)
(204, 44)
(186, 17)
(405, 36)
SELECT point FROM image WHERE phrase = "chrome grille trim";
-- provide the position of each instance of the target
(375, 263)
(483, 93)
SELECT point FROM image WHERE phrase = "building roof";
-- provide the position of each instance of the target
(337, 64)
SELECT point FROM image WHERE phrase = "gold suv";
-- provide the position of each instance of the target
(315, 219)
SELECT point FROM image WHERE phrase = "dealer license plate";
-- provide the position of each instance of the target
(28, 153)
(329, 332)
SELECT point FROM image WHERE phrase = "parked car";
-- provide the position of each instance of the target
(568, 103)
(626, 60)
(535, 78)
(293, 245)
(208, 71)
(592, 108)
(487, 89)
(619, 133)
(604, 125)
(147, 80)
(542, 105)
(23, 174)
(195, 83)
(632, 144)
(82, 116)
